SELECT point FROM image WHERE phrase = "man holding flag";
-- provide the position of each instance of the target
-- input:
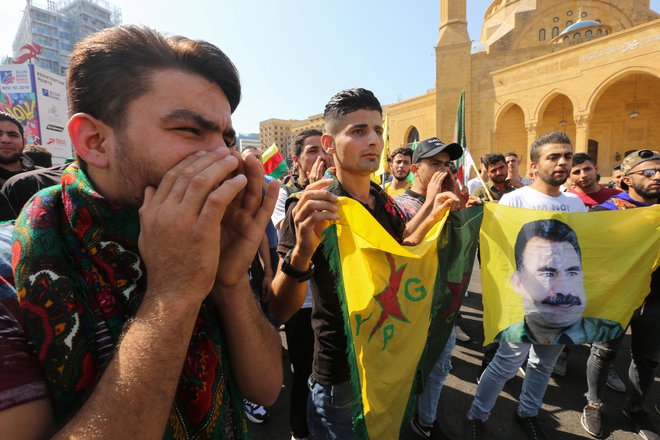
(551, 158)
(354, 137)
(432, 176)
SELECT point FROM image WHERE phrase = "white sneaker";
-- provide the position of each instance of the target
(460, 334)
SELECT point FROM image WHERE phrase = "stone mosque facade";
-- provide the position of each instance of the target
(590, 68)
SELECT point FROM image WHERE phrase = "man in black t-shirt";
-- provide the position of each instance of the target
(354, 137)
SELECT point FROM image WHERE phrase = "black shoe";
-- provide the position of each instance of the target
(592, 420)
(531, 426)
(642, 424)
(420, 429)
(474, 430)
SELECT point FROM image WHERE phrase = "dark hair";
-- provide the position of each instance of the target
(616, 167)
(511, 154)
(9, 117)
(39, 155)
(492, 159)
(348, 101)
(404, 151)
(579, 158)
(110, 69)
(300, 138)
(547, 229)
(555, 137)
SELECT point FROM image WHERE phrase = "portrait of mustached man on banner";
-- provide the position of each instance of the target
(550, 279)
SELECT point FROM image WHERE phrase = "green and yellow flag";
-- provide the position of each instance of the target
(575, 278)
(399, 305)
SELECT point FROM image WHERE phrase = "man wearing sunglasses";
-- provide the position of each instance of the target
(641, 179)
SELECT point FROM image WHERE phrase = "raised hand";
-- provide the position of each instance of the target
(180, 222)
(443, 201)
(317, 171)
(312, 214)
(435, 184)
(244, 224)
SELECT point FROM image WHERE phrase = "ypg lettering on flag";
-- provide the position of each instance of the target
(389, 301)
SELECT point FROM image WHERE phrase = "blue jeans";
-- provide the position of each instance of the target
(505, 365)
(645, 350)
(329, 411)
(427, 402)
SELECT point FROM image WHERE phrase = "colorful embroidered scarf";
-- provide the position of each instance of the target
(80, 279)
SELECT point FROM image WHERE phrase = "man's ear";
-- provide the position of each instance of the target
(88, 136)
(628, 181)
(534, 167)
(414, 168)
(328, 142)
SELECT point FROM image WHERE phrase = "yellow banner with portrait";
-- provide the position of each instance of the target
(565, 278)
(399, 304)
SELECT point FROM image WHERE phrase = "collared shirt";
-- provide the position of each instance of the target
(496, 193)
(583, 331)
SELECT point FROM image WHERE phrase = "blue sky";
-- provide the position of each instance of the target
(293, 55)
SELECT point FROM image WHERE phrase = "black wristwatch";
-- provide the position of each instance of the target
(295, 273)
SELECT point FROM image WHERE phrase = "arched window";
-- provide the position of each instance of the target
(542, 35)
(555, 31)
(599, 32)
(576, 36)
(588, 34)
(413, 136)
(568, 23)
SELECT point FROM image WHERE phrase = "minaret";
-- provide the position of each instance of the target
(453, 69)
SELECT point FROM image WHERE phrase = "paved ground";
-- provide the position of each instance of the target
(562, 405)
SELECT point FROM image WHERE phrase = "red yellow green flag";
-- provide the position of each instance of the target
(274, 163)
(575, 278)
(399, 304)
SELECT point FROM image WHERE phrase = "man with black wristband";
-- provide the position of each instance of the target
(354, 136)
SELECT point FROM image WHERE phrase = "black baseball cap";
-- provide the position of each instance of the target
(431, 147)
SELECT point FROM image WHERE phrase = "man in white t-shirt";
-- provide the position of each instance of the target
(551, 159)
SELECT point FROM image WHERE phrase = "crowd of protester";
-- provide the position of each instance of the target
(142, 286)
